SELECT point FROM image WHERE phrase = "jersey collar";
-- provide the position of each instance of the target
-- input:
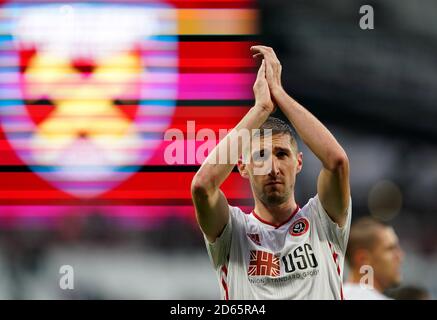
(275, 225)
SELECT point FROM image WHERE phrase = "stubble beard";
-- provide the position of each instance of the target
(273, 199)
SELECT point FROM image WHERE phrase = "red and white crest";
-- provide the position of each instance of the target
(299, 227)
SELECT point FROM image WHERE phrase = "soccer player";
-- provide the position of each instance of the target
(279, 250)
(375, 258)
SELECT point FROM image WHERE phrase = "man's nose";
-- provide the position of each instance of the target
(274, 171)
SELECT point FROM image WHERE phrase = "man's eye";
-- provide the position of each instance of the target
(281, 154)
(256, 156)
(260, 155)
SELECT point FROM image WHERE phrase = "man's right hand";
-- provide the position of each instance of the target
(261, 90)
(273, 67)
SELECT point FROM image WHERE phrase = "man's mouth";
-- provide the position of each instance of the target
(272, 183)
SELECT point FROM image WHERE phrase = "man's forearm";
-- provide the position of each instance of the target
(313, 133)
(212, 173)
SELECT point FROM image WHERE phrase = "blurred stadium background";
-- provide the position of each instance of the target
(92, 189)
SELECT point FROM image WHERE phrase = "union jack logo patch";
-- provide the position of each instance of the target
(263, 263)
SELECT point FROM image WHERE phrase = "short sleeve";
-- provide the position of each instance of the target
(337, 235)
(218, 251)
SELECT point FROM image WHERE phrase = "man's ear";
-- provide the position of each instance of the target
(242, 168)
(299, 159)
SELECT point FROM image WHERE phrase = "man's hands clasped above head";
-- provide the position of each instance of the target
(273, 68)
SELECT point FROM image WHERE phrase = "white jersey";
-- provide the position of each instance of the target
(301, 259)
(354, 291)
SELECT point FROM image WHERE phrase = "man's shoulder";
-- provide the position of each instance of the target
(237, 214)
(309, 207)
(314, 208)
(236, 210)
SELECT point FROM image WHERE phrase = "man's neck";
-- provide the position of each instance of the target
(355, 277)
(275, 215)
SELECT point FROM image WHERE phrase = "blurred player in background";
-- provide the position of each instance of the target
(279, 250)
(375, 259)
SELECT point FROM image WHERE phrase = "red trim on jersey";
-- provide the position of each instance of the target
(334, 257)
(225, 286)
(274, 225)
(225, 270)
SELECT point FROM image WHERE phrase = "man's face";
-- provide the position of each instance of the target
(386, 258)
(277, 186)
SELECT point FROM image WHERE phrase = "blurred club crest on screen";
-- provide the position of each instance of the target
(90, 89)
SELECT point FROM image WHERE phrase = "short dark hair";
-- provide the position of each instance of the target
(363, 236)
(278, 126)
